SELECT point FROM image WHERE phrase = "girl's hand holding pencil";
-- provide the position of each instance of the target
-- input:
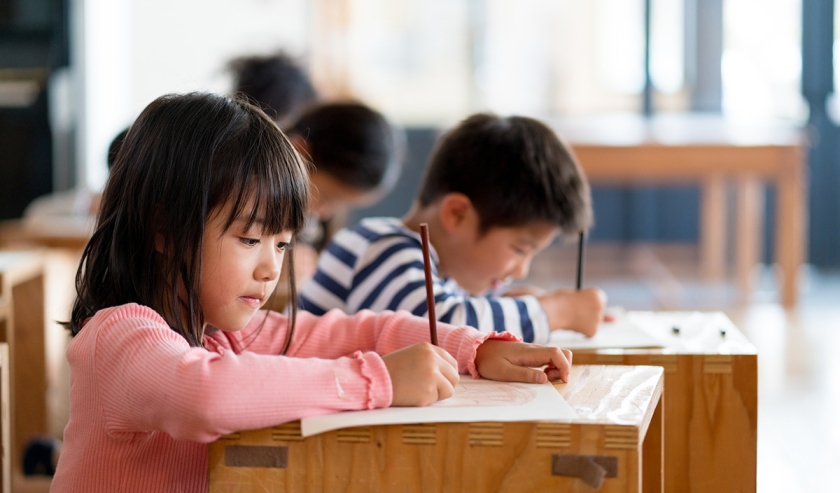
(421, 374)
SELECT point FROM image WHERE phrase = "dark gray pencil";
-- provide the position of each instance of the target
(580, 262)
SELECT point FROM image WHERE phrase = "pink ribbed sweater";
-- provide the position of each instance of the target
(144, 404)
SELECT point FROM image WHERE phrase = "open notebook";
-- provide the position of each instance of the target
(474, 400)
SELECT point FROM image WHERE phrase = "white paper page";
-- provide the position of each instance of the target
(474, 400)
(619, 334)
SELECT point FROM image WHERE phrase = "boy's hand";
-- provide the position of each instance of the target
(516, 361)
(421, 374)
(580, 311)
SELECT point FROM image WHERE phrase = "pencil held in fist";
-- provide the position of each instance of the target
(421, 374)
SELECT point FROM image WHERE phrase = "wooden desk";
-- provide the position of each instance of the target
(22, 327)
(66, 233)
(711, 400)
(620, 418)
(709, 151)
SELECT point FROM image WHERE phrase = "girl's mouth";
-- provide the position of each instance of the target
(251, 301)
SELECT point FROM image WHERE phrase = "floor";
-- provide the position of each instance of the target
(799, 351)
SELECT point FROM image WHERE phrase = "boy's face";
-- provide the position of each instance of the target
(240, 269)
(485, 261)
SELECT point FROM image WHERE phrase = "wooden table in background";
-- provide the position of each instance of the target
(618, 433)
(710, 152)
(711, 399)
(65, 233)
(22, 327)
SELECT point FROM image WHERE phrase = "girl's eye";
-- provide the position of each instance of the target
(249, 241)
(518, 251)
(283, 246)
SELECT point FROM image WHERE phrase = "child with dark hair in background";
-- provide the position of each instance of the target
(496, 192)
(275, 83)
(170, 349)
(356, 156)
(355, 153)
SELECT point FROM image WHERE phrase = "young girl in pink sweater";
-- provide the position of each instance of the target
(170, 349)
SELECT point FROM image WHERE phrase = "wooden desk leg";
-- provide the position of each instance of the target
(653, 452)
(791, 226)
(713, 227)
(28, 365)
(748, 236)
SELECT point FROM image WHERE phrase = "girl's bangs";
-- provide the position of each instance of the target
(275, 185)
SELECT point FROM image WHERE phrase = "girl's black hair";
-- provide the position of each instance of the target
(184, 157)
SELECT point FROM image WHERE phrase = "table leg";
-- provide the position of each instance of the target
(653, 452)
(713, 227)
(791, 227)
(748, 236)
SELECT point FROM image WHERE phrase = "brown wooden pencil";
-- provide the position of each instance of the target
(430, 291)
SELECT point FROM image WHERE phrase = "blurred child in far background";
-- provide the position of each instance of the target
(354, 151)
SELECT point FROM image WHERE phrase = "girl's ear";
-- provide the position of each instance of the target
(456, 212)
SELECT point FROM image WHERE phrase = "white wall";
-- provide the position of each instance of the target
(128, 52)
(183, 45)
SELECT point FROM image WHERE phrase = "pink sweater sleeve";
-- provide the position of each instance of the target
(150, 379)
(336, 334)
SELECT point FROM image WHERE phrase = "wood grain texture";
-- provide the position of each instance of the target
(22, 290)
(620, 400)
(5, 422)
(711, 401)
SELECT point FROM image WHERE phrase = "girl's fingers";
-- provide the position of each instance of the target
(561, 360)
(552, 373)
(449, 372)
(568, 354)
(446, 356)
(524, 374)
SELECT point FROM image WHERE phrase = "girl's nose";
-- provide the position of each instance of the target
(270, 266)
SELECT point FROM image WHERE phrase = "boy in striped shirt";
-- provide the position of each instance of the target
(497, 191)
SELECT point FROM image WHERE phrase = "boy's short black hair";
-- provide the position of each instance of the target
(351, 142)
(275, 83)
(515, 170)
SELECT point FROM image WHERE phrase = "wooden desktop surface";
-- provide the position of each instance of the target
(714, 153)
(620, 418)
(711, 398)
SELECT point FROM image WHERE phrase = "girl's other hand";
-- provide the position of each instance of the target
(421, 374)
(517, 362)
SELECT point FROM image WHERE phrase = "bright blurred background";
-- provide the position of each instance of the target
(74, 73)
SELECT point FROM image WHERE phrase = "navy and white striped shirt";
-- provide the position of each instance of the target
(378, 265)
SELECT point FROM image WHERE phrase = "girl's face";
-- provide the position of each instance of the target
(240, 269)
